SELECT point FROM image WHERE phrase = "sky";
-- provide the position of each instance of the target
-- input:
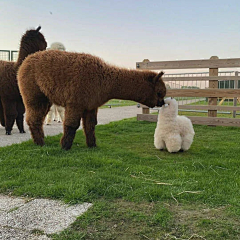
(128, 31)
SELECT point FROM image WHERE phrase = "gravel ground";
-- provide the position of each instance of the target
(21, 217)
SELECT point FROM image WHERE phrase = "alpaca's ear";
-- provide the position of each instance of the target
(156, 79)
(38, 29)
(159, 75)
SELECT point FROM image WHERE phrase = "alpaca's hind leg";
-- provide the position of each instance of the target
(35, 115)
(10, 112)
(89, 123)
(2, 119)
(70, 126)
(20, 117)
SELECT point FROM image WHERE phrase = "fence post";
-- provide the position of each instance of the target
(235, 99)
(14, 55)
(145, 110)
(213, 84)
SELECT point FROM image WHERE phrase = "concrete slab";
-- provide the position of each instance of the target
(49, 216)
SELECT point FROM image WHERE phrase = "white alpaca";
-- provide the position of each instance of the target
(173, 132)
(57, 46)
(56, 113)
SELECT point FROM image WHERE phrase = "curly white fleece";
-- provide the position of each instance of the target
(173, 132)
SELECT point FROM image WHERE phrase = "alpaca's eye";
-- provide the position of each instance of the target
(159, 94)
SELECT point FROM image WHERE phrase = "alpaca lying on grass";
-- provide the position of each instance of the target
(11, 107)
(173, 132)
(56, 113)
(81, 83)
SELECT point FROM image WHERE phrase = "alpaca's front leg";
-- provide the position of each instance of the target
(158, 140)
(68, 136)
(89, 123)
(159, 143)
(71, 124)
(173, 143)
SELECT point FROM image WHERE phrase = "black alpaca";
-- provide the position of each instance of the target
(11, 106)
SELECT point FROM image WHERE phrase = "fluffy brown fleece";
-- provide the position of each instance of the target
(80, 83)
(11, 106)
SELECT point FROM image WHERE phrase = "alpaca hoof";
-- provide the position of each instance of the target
(39, 142)
(8, 133)
(181, 150)
(92, 145)
(22, 131)
(66, 146)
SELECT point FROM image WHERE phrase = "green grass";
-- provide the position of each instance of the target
(118, 103)
(138, 192)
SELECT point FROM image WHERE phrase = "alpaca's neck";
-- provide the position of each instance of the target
(167, 116)
(128, 84)
(23, 53)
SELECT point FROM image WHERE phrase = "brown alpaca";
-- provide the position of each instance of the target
(80, 83)
(11, 106)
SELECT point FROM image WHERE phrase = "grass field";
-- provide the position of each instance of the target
(118, 103)
(221, 114)
(137, 191)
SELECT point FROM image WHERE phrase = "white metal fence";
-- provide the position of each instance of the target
(8, 55)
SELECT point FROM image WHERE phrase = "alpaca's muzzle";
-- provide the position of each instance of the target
(160, 103)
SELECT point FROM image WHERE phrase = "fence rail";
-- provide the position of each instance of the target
(203, 93)
(186, 64)
(212, 121)
(205, 87)
(216, 78)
